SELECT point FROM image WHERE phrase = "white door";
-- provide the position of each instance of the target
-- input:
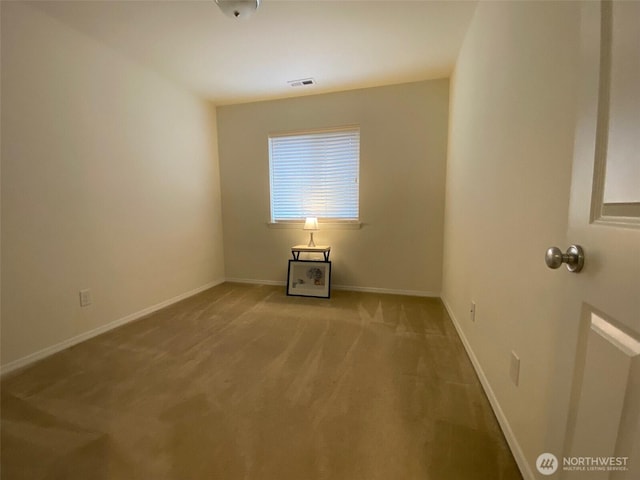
(603, 428)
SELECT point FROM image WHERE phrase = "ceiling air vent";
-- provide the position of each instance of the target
(304, 82)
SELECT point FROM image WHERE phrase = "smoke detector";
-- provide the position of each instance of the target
(239, 9)
(303, 82)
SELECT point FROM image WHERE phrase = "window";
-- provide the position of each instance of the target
(315, 174)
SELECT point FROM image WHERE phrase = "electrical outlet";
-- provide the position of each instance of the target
(472, 311)
(514, 369)
(85, 298)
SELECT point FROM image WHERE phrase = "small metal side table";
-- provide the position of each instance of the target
(309, 278)
(297, 249)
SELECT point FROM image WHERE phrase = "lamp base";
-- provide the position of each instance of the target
(311, 242)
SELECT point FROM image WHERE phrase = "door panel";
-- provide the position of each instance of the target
(614, 57)
(622, 69)
(605, 407)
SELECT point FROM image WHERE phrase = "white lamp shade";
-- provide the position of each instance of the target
(311, 223)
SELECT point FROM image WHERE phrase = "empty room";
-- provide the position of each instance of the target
(316, 239)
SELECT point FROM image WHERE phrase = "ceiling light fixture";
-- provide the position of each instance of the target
(240, 9)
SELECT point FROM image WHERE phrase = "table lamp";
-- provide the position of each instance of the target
(311, 224)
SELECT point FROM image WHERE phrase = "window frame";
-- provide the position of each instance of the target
(327, 222)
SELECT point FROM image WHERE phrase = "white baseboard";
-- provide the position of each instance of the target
(391, 291)
(514, 445)
(251, 281)
(45, 352)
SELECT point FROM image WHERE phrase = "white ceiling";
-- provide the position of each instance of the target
(341, 44)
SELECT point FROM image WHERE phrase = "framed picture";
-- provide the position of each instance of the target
(309, 278)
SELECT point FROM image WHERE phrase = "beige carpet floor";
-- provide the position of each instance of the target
(243, 382)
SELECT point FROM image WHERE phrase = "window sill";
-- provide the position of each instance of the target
(297, 225)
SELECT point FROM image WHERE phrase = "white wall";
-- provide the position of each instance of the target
(508, 176)
(109, 182)
(402, 167)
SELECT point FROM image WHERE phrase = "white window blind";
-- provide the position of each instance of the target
(315, 174)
